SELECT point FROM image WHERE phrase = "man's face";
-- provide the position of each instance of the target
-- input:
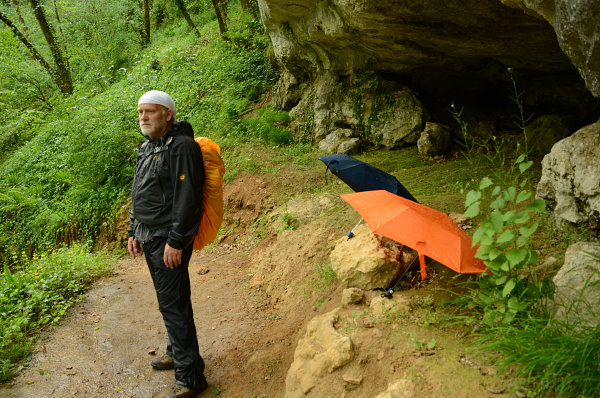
(154, 119)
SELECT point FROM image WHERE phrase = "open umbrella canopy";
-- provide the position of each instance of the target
(361, 176)
(430, 232)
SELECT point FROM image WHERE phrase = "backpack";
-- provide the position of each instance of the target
(212, 193)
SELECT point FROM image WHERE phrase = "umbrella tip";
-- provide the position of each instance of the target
(389, 293)
(350, 235)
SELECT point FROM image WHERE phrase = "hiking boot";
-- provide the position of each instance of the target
(179, 391)
(163, 363)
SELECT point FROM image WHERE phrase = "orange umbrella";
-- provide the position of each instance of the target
(430, 232)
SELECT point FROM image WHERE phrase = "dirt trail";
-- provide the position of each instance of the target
(104, 348)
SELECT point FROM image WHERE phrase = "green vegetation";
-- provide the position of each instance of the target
(68, 164)
(39, 293)
(503, 237)
(547, 357)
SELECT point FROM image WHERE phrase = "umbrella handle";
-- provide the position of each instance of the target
(351, 233)
(420, 246)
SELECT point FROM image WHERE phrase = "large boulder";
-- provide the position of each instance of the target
(319, 352)
(570, 179)
(345, 114)
(363, 262)
(543, 133)
(577, 297)
(434, 140)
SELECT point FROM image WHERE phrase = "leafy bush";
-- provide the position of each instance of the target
(503, 237)
(269, 125)
(40, 293)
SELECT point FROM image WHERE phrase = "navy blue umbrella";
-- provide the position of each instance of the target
(361, 176)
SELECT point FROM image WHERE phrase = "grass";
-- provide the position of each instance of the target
(549, 359)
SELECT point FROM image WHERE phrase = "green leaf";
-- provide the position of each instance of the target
(516, 306)
(509, 216)
(533, 257)
(496, 190)
(472, 197)
(485, 182)
(511, 192)
(521, 241)
(523, 195)
(500, 307)
(494, 253)
(522, 217)
(505, 266)
(483, 252)
(431, 344)
(472, 210)
(527, 231)
(520, 159)
(524, 166)
(509, 286)
(516, 256)
(523, 183)
(506, 237)
(486, 240)
(495, 222)
(501, 280)
(538, 205)
(496, 264)
(498, 203)
(508, 317)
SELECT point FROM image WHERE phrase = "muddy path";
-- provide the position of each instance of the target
(104, 347)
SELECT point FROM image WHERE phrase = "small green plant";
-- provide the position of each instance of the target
(287, 221)
(503, 238)
(522, 120)
(422, 344)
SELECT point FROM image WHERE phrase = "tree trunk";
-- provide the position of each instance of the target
(146, 32)
(62, 68)
(187, 17)
(221, 12)
(62, 35)
(32, 50)
(21, 20)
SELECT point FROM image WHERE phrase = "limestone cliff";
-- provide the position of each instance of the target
(338, 57)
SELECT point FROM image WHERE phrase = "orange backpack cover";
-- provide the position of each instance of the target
(212, 193)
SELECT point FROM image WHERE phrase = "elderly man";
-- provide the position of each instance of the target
(165, 214)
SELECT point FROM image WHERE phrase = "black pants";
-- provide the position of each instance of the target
(173, 293)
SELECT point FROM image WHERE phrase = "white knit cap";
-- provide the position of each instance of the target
(160, 98)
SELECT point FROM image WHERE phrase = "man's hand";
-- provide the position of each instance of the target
(133, 247)
(172, 257)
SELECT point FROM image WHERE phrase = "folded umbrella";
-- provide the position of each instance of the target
(430, 232)
(361, 176)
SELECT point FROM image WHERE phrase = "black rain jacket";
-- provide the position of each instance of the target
(166, 196)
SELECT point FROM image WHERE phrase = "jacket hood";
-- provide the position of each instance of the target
(183, 128)
(179, 128)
